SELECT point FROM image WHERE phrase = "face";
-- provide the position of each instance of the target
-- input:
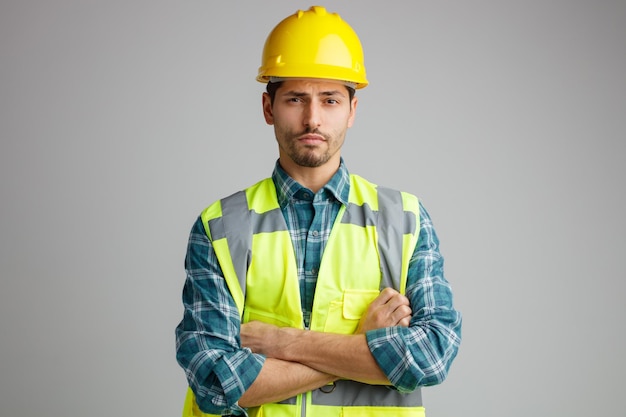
(310, 119)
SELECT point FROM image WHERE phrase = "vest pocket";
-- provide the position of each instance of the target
(273, 410)
(344, 315)
(358, 411)
(251, 314)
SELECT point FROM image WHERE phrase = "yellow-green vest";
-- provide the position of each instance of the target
(369, 248)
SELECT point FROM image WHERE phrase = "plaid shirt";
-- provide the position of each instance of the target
(207, 339)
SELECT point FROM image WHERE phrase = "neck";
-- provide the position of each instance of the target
(312, 178)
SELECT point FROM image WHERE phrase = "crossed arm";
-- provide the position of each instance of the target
(222, 375)
(301, 360)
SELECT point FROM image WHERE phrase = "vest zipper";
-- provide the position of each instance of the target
(303, 404)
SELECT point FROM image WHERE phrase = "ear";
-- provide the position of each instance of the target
(267, 109)
(354, 103)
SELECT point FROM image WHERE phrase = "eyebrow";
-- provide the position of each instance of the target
(328, 93)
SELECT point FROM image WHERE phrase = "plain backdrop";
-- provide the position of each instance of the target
(121, 120)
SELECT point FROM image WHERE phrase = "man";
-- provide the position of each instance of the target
(314, 292)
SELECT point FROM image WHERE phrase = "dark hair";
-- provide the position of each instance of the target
(271, 90)
(272, 87)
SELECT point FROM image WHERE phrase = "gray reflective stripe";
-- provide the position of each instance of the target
(237, 225)
(352, 393)
(390, 230)
(289, 401)
(242, 221)
(392, 222)
(359, 215)
(268, 222)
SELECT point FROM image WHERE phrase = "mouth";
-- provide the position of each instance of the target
(311, 139)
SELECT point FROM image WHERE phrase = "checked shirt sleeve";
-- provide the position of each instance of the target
(421, 354)
(208, 345)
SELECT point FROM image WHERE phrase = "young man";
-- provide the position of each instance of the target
(314, 292)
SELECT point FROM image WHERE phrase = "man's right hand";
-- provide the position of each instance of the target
(389, 309)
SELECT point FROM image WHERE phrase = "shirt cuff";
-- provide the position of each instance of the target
(236, 374)
(387, 347)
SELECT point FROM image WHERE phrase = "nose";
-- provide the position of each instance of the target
(312, 115)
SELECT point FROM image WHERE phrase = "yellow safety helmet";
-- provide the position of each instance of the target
(313, 44)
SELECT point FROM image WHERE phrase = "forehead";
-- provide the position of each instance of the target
(313, 85)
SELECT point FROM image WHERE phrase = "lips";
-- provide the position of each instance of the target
(311, 139)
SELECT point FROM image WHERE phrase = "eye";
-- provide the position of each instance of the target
(332, 101)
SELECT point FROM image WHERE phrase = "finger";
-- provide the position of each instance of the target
(396, 301)
(384, 297)
(404, 322)
(402, 313)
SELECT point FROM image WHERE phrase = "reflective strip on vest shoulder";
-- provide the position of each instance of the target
(237, 224)
(392, 222)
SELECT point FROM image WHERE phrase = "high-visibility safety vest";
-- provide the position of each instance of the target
(368, 249)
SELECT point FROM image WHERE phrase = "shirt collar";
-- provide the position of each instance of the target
(288, 189)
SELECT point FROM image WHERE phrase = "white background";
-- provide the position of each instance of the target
(121, 120)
